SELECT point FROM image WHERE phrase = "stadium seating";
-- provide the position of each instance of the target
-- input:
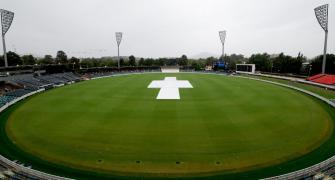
(27, 80)
(5, 99)
(60, 78)
(18, 92)
(51, 79)
(323, 79)
(315, 77)
(27, 83)
(71, 77)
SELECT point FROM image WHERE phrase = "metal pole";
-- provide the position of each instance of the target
(325, 54)
(222, 35)
(118, 57)
(4, 50)
(222, 51)
(118, 36)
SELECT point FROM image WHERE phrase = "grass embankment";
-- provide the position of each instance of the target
(327, 93)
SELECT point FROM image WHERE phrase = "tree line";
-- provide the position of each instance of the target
(264, 62)
(16, 60)
(293, 65)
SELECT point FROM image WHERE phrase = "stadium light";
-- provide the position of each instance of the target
(321, 14)
(118, 40)
(222, 35)
(6, 22)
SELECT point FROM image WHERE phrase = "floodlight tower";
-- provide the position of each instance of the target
(118, 40)
(321, 14)
(222, 35)
(6, 21)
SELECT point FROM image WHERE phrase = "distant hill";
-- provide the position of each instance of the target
(203, 55)
(114, 57)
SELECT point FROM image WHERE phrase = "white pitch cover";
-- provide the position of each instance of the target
(169, 87)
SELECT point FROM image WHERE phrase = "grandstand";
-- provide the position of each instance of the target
(19, 85)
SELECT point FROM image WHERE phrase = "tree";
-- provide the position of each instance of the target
(86, 63)
(141, 62)
(279, 63)
(262, 62)
(90, 62)
(149, 62)
(196, 65)
(287, 64)
(132, 60)
(2, 61)
(303, 59)
(183, 61)
(108, 61)
(61, 57)
(122, 63)
(28, 60)
(13, 59)
(296, 65)
(171, 62)
(210, 61)
(317, 64)
(234, 59)
(74, 60)
(46, 60)
(160, 62)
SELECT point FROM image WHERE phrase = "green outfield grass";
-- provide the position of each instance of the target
(224, 126)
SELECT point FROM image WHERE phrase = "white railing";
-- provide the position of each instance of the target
(28, 171)
(19, 99)
(305, 172)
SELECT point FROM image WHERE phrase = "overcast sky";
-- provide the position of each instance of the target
(167, 28)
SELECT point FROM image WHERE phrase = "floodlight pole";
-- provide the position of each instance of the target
(4, 50)
(325, 53)
(6, 22)
(222, 50)
(3, 42)
(118, 36)
(321, 14)
(118, 56)
(222, 35)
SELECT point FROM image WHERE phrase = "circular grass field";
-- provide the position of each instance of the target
(224, 126)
